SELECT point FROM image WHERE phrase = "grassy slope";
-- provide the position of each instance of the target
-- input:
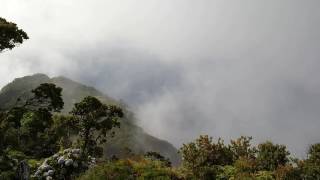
(128, 136)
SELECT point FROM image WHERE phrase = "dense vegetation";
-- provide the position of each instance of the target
(129, 135)
(40, 142)
(31, 131)
(42, 139)
(206, 159)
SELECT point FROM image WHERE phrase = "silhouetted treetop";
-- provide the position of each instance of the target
(10, 35)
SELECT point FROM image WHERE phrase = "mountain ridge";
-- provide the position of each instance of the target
(129, 135)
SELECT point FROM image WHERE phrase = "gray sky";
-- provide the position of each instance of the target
(219, 67)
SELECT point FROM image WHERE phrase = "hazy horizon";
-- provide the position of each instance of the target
(223, 68)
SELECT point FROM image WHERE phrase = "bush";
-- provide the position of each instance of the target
(127, 169)
(65, 164)
(228, 172)
(204, 155)
(245, 165)
(270, 156)
(264, 175)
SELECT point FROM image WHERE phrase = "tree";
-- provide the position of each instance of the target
(204, 156)
(64, 127)
(289, 172)
(270, 156)
(10, 35)
(36, 112)
(46, 96)
(241, 147)
(26, 128)
(4, 127)
(311, 166)
(314, 154)
(28, 125)
(94, 120)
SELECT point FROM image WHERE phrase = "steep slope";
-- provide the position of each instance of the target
(128, 136)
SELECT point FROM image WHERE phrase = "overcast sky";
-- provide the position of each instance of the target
(219, 67)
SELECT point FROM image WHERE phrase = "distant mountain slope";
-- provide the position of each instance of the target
(128, 136)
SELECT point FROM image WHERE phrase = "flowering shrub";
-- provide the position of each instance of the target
(64, 165)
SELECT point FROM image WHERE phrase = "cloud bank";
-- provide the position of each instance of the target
(223, 68)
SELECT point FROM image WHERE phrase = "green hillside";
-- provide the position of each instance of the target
(128, 136)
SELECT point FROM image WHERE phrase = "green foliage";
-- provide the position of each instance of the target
(65, 129)
(10, 35)
(27, 127)
(156, 156)
(8, 134)
(128, 135)
(203, 156)
(246, 165)
(16, 155)
(241, 160)
(118, 170)
(6, 162)
(288, 172)
(314, 154)
(9, 159)
(227, 172)
(270, 156)
(13, 117)
(264, 175)
(34, 122)
(34, 164)
(34, 128)
(311, 171)
(311, 166)
(4, 175)
(94, 120)
(47, 95)
(241, 147)
(126, 169)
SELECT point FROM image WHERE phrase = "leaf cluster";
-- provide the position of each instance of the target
(10, 35)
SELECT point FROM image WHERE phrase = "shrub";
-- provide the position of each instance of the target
(127, 169)
(65, 164)
(203, 156)
(270, 156)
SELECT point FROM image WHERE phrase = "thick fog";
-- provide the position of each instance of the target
(220, 67)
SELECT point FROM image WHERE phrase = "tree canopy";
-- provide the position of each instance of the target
(94, 120)
(34, 129)
(10, 35)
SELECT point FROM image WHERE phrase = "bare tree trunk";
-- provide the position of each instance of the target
(23, 171)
